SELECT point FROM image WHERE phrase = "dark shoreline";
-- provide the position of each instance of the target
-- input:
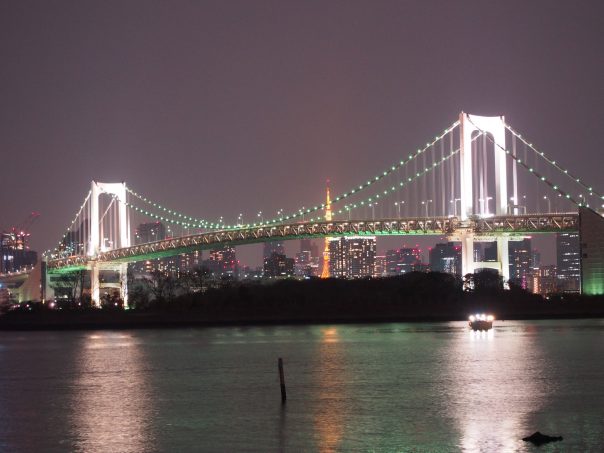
(413, 297)
(135, 321)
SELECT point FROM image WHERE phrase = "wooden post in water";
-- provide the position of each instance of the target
(282, 380)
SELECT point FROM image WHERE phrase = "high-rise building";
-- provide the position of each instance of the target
(489, 251)
(568, 262)
(152, 232)
(352, 257)
(485, 251)
(15, 254)
(592, 252)
(446, 258)
(278, 265)
(403, 260)
(520, 256)
(189, 261)
(223, 262)
(544, 280)
(380, 266)
(536, 258)
(303, 264)
(308, 261)
(272, 247)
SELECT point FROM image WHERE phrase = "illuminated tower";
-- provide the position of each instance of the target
(325, 271)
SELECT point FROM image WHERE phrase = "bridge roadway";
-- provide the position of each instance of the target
(450, 226)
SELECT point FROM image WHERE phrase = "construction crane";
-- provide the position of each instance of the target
(24, 226)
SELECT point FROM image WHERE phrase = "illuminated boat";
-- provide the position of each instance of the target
(481, 322)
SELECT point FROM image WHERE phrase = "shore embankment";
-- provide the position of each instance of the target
(418, 297)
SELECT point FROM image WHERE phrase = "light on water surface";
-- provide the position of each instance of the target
(431, 387)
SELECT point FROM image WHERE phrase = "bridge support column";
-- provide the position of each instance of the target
(124, 283)
(469, 266)
(95, 290)
(503, 256)
(467, 254)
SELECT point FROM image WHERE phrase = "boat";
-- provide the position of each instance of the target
(481, 322)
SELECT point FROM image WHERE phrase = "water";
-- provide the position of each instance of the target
(380, 387)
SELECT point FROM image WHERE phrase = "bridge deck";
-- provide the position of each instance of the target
(511, 225)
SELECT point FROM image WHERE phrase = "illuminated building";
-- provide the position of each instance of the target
(592, 252)
(303, 263)
(568, 262)
(151, 232)
(278, 265)
(223, 262)
(352, 256)
(544, 280)
(403, 260)
(189, 261)
(272, 247)
(446, 258)
(521, 255)
(14, 252)
(380, 266)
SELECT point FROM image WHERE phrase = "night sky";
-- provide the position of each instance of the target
(217, 108)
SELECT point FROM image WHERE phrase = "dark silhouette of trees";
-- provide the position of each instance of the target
(69, 284)
(483, 281)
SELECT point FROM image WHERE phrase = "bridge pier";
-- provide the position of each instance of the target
(95, 284)
(124, 283)
(95, 289)
(468, 266)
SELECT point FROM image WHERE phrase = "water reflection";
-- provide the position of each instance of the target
(112, 404)
(493, 389)
(330, 413)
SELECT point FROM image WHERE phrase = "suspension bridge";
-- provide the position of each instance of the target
(477, 181)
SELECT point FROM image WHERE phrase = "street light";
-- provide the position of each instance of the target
(512, 208)
(426, 204)
(484, 201)
(261, 217)
(239, 219)
(372, 206)
(549, 204)
(398, 205)
(454, 201)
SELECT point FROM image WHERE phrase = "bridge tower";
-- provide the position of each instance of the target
(495, 127)
(97, 243)
(328, 217)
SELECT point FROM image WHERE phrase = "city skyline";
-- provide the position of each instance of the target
(92, 121)
(284, 225)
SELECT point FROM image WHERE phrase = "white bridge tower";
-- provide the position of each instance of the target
(99, 244)
(494, 126)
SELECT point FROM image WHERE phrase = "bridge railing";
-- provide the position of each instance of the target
(533, 223)
(408, 226)
(174, 246)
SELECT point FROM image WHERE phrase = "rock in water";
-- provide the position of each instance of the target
(539, 439)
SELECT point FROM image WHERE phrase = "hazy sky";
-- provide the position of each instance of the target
(217, 108)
